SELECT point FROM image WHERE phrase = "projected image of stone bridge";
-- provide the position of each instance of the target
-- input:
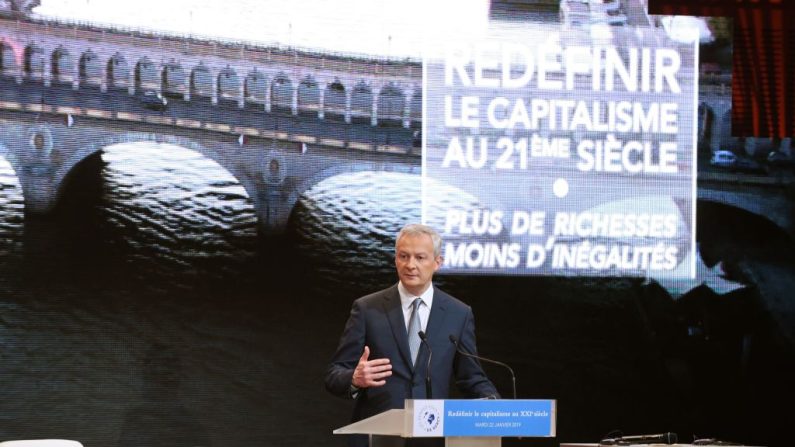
(279, 120)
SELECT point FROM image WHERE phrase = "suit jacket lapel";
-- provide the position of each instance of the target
(436, 318)
(397, 322)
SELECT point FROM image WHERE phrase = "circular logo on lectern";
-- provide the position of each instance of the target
(428, 418)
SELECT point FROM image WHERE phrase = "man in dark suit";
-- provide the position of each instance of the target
(374, 361)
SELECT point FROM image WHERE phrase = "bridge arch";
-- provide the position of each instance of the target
(282, 93)
(83, 152)
(391, 105)
(90, 68)
(228, 84)
(255, 87)
(751, 234)
(201, 82)
(8, 60)
(147, 76)
(361, 109)
(63, 66)
(360, 166)
(35, 64)
(118, 71)
(174, 80)
(335, 101)
(776, 209)
(308, 97)
(14, 204)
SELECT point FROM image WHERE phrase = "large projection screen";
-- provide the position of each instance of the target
(563, 151)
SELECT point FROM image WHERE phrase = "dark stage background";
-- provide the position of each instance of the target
(147, 310)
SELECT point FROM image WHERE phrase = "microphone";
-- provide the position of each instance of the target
(464, 353)
(424, 339)
(662, 438)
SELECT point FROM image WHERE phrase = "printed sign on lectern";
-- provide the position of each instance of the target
(492, 418)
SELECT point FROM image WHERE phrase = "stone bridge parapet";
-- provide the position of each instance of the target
(320, 84)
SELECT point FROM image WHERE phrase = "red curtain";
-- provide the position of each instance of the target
(763, 72)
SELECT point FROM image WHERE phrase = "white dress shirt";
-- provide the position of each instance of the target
(407, 298)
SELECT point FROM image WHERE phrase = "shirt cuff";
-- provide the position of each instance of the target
(353, 391)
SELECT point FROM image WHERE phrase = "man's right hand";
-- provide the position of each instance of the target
(369, 373)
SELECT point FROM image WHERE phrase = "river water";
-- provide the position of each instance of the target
(147, 311)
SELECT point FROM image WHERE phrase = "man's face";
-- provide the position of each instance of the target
(415, 262)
